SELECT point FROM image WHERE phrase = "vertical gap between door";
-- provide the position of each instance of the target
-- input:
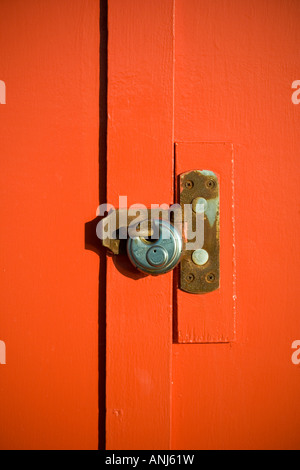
(102, 199)
(176, 270)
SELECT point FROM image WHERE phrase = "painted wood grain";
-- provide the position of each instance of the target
(140, 166)
(235, 65)
(49, 130)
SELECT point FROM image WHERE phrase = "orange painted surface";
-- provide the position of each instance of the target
(48, 190)
(223, 72)
(140, 165)
(211, 318)
(235, 65)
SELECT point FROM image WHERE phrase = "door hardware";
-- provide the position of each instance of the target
(159, 244)
(156, 256)
(199, 269)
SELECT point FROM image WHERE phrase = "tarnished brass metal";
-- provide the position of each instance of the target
(201, 279)
(199, 257)
(122, 223)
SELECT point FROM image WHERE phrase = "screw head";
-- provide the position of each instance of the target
(210, 277)
(189, 184)
(190, 277)
(200, 257)
(210, 184)
(199, 205)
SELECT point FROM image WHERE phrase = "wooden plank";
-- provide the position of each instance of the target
(235, 65)
(210, 318)
(140, 166)
(48, 191)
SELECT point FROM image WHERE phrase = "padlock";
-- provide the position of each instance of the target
(199, 265)
(156, 254)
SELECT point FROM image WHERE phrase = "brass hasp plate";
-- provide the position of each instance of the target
(200, 264)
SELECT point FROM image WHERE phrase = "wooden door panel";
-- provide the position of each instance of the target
(48, 189)
(210, 318)
(140, 166)
(218, 78)
(235, 65)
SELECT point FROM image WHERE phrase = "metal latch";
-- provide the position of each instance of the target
(186, 234)
(199, 269)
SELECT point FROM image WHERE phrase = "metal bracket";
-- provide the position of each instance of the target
(199, 260)
(200, 269)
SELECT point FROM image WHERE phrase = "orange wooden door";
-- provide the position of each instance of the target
(215, 79)
(235, 66)
(49, 130)
(191, 84)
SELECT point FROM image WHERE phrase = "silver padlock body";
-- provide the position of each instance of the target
(159, 255)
